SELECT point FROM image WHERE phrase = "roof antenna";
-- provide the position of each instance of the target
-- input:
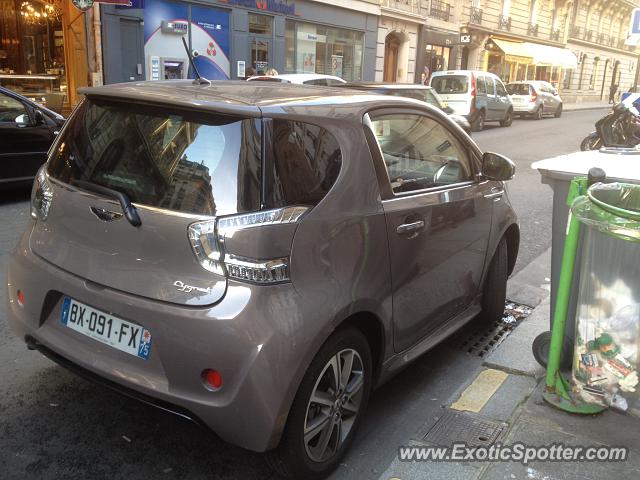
(199, 80)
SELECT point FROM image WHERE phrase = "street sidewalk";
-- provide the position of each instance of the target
(513, 404)
(572, 107)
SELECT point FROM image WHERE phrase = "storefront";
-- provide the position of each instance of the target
(43, 50)
(515, 61)
(230, 36)
(438, 51)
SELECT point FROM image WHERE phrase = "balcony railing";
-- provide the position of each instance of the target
(476, 16)
(576, 31)
(555, 34)
(440, 10)
(621, 43)
(504, 23)
(588, 35)
(532, 29)
(411, 6)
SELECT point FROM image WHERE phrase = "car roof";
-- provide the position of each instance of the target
(390, 86)
(251, 99)
(462, 72)
(297, 77)
(303, 77)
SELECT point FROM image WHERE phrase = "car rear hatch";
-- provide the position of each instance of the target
(455, 90)
(180, 170)
(520, 93)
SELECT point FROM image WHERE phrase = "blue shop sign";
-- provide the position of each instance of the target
(275, 6)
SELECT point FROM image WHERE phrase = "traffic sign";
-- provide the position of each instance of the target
(635, 22)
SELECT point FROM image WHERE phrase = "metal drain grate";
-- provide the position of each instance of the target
(460, 427)
(481, 340)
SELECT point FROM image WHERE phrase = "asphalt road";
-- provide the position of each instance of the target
(54, 425)
(525, 142)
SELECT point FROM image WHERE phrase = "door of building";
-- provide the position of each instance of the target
(260, 51)
(132, 53)
(391, 46)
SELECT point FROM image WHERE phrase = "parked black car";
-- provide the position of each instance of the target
(27, 131)
(418, 92)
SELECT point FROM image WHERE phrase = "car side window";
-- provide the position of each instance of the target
(11, 109)
(316, 81)
(481, 86)
(500, 90)
(490, 86)
(420, 152)
(306, 160)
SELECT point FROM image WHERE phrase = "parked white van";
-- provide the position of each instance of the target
(479, 96)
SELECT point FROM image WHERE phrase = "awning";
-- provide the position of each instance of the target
(552, 56)
(514, 51)
(543, 55)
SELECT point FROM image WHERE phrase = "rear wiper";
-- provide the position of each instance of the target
(130, 212)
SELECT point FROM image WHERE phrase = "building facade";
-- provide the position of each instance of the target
(336, 38)
(579, 46)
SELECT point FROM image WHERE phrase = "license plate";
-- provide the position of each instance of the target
(113, 331)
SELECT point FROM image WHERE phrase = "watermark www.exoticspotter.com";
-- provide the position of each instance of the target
(516, 452)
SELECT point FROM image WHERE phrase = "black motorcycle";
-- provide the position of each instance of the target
(619, 128)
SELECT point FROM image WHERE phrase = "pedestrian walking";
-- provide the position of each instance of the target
(612, 93)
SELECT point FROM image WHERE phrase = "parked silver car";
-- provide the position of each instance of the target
(258, 256)
(535, 98)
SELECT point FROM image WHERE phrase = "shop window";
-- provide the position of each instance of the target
(566, 83)
(32, 51)
(521, 72)
(260, 24)
(318, 49)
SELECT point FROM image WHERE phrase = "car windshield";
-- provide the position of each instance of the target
(165, 158)
(445, 84)
(518, 89)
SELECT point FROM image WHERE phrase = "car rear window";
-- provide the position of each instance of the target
(179, 160)
(422, 94)
(445, 84)
(303, 163)
(518, 89)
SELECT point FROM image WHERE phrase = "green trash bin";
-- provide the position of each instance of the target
(607, 340)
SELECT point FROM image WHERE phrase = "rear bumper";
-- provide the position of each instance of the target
(257, 355)
(526, 108)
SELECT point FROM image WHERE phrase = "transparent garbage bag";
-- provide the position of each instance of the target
(606, 359)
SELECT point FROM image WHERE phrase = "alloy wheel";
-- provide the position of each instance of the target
(334, 405)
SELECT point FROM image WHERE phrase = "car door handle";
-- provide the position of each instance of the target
(496, 193)
(410, 227)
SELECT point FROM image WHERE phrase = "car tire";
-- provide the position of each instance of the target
(539, 113)
(478, 123)
(508, 119)
(294, 456)
(558, 112)
(494, 292)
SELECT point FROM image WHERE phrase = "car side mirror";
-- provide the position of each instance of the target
(497, 167)
(39, 116)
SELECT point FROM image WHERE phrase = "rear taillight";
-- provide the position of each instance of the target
(534, 96)
(41, 195)
(473, 93)
(207, 241)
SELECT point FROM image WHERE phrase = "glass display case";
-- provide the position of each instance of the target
(47, 90)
